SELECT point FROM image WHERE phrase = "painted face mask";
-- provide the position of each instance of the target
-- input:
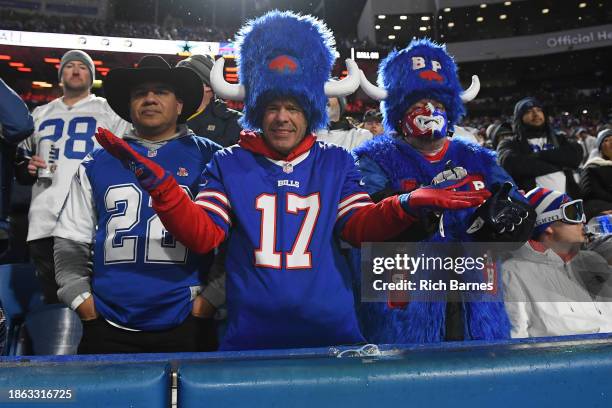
(425, 121)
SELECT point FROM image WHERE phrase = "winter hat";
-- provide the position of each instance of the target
(77, 55)
(285, 55)
(496, 131)
(524, 105)
(201, 64)
(422, 70)
(544, 200)
(601, 136)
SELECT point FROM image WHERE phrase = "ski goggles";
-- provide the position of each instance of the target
(571, 212)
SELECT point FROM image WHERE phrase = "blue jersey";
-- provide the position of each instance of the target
(142, 277)
(288, 285)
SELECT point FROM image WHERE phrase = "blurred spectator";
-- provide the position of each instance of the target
(596, 180)
(3, 330)
(498, 132)
(586, 141)
(15, 125)
(372, 121)
(551, 287)
(213, 120)
(537, 155)
(340, 131)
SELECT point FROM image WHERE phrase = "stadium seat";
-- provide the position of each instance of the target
(20, 293)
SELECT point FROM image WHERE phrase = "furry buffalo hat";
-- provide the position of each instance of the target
(422, 70)
(285, 55)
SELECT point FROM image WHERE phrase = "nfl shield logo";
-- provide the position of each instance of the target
(182, 172)
(152, 153)
(288, 168)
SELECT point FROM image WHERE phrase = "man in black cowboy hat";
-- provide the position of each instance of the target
(141, 290)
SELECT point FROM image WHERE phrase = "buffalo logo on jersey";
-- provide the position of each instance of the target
(423, 70)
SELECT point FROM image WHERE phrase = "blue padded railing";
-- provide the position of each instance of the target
(90, 385)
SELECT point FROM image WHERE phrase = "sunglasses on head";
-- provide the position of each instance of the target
(571, 212)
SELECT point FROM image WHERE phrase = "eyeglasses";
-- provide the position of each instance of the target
(571, 212)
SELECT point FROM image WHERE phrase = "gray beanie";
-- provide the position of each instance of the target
(604, 134)
(77, 55)
(201, 64)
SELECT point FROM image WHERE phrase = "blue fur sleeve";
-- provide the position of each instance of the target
(373, 179)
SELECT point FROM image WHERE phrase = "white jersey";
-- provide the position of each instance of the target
(347, 138)
(71, 129)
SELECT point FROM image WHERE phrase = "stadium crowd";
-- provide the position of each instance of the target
(155, 218)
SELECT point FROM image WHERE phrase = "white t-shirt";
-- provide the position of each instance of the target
(71, 129)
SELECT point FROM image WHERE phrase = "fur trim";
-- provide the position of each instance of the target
(272, 64)
(405, 86)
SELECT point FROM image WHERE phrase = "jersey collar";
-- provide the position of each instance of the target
(254, 143)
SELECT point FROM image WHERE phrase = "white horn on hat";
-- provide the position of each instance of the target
(347, 85)
(221, 87)
(470, 93)
(373, 91)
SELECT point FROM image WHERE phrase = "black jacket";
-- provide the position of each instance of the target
(596, 187)
(218, 123)
(524, 165)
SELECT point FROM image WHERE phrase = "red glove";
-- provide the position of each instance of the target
(432, 198)
(148, 173)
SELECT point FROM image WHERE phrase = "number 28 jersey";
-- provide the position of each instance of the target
(288, 285)
(71, 129)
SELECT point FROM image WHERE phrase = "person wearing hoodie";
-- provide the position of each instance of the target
(586, 141)
(140, 291)
(595, 184)
(537, 155)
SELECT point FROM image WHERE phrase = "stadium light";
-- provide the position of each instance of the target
(582, 5)
(24, 69)
(422, 28)
(5, 57)
(507, 3)
(585, 111)
(51, 60)
(480, 19)
(447, 10)
(397, 28)
(42, 84)
(503, 16)
(391, 37)
(16, 64)
(97, 63)
(451, 24)
(425, 18)
(545, 11)
(483, 5)
(377, 27)
(403, 17)
(381, 16)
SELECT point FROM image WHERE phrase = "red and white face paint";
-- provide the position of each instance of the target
(425, 121)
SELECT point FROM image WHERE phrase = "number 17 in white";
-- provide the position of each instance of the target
(299, 257)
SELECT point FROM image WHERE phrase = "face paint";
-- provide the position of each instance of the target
(425, 121)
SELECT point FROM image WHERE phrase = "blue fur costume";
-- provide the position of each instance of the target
(425, 71)
(271, 65)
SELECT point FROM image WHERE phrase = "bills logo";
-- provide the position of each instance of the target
(283, 64)
(182, 172)
(289, 183)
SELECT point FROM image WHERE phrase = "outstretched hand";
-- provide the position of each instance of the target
(440, 199)
(148, 173)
